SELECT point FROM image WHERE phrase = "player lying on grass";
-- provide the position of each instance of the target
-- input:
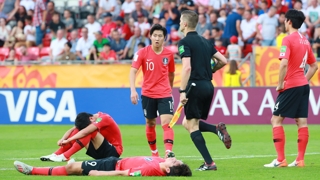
(98, 133)
(113, 166)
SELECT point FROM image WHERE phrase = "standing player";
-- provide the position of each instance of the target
(196, 53)
(74, 140)
(112, 166)
(158, 70)
(293, 88)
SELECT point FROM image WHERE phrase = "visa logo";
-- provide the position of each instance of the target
(65, 108)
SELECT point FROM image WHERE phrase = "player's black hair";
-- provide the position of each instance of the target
(158, 27)
(181, 170)
(296, 17)
(82, 120)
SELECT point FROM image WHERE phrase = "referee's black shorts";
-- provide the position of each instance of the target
(293, 102)
(106, 164)
(199, 100)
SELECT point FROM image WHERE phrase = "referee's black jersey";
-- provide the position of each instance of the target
(201, 51)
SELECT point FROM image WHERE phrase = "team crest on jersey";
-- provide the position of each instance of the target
(165, 61)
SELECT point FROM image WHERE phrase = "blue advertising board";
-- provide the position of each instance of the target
(60, 106)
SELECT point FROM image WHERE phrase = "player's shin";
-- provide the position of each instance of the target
(77, 146)
(151, 137)
(303, 138)
(168, 136)
(50, 171)
(279, 142)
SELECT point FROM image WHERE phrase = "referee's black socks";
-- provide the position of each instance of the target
(205, 127)
(200, 143)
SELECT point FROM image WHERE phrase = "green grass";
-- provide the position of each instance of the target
(252, 147)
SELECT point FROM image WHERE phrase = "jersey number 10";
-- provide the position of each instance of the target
(150, 66)
(304, 60)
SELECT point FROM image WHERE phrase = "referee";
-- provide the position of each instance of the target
(196, 53)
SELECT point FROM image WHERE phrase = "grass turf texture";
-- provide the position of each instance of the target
(251, 148)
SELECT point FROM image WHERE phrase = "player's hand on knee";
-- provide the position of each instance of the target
(94, 173)
(60, 142)
(134, 97)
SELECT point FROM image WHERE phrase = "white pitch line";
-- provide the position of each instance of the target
(191, 157)
(7, 169)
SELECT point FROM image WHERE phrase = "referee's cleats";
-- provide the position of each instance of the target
(224, 135)
(23, 168)
(206, 167)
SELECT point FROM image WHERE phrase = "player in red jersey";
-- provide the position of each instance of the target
(112, 166)
(157, 64)
(293, 88)
(105, 143)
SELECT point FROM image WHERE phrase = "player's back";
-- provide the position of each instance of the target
(296, 48)
(156, 68)
(201, 53)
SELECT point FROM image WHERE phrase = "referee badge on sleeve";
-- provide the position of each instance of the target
(181, 49)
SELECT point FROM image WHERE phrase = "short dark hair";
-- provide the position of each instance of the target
(296, 17)
(56, 13)
(82, 120)
(142, 44)
(158, 27)
(298, 1)
(181, 170)
(216, 28)
(69, 44)
(29, 18)
(191, 17)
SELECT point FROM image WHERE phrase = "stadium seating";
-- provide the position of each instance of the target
(4, 53)
(44, 51)
(34, 50)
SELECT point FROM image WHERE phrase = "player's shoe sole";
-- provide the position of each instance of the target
(46, 158)
(223, 135)
(58, 158)
(297, 163)
(23, 168)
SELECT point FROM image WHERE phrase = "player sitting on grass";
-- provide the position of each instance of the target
(105, 143)
(112, 166)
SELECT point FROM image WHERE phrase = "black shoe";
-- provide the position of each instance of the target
(205, 167)
(224, 135)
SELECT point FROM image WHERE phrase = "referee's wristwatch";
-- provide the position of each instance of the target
(182, 91)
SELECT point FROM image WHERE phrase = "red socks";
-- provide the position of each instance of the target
(168, 137)
(78, 145)
(303, 137)
(151, 137)
(279, 142)
(50, 171)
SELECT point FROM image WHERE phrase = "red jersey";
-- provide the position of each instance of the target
(107, 28)
(221, 49)
(155, 68)
(296, 48)
(146, 166)
(125, 29)
(109, 130)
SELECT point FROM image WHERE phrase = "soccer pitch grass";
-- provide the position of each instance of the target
(251, 148)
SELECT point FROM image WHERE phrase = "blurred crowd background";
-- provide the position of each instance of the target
(113, 30)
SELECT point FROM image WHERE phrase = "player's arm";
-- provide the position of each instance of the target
(84, 132)
(109, 173)
(282, 71)
(312, 70)
(221, 61)
(136, 63)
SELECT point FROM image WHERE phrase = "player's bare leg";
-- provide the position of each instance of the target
(69, 169)
(152, 136)
(279, 142)
(168, 134)
(192, 127)
(303, 138)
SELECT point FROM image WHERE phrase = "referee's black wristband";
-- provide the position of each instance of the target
(182, 91)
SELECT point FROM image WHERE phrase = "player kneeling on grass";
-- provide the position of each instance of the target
(113, 166)
(105, 143)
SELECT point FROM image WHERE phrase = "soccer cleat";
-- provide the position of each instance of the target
(169, 154)
(46, 158)
(23, 168)
(71, 161)
(276, 163)
(224, 135)
(155, 153)
(297, 163)
(206, 167)
(58, 158)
